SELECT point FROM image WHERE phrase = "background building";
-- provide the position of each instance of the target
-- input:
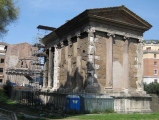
(151, 61)
(21, 67)
(3, 49)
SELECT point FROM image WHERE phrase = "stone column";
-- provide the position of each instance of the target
(56, 67)
(45, 77)
(139, 66)
(109, 61)
(14, 77)
(125, 81)
(91, 60)
(10, 76)
(78, 66)
(69, 67)
(50, 70)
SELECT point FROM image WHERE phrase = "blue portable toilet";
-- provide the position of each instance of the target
(72, 102)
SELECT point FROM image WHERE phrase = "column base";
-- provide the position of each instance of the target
(54, 89)
(49, 87)
(125, 90)
(140, 90)
(108, 88)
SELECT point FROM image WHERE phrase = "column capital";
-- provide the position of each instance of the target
(90, 29)
(50, 48)
(125, 37)
(141, 40)
(78, 35)
(55, 46)
(62, 44)
(110, 34)
(69, 41)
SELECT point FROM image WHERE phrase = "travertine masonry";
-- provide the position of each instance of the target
(101, 54)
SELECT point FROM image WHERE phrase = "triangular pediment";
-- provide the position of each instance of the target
(119, 14)
(118, 17)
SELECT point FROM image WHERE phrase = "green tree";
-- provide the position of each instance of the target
(152, 88)
(8, 14)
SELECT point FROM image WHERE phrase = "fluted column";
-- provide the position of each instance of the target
(50, 69)
(109, 61)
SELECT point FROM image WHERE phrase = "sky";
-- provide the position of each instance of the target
(55, 13)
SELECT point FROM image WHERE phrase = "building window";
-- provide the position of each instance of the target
(154, 55)
(2, 60)
(155, 72)
(148, 48)
(155, 63)
(0, 80)
(1, 70)
(155, 80)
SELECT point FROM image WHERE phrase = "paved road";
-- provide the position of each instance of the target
(4, 117)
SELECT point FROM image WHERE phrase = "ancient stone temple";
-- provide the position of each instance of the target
(99, 51)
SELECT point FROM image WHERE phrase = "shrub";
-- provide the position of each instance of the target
(7, 88)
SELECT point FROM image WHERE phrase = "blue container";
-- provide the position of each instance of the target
(72, 102)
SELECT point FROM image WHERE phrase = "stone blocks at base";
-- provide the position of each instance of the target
(132, 104)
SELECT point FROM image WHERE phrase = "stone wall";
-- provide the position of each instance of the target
(101, 61)
(133, 63)
(73, 65)
(154, 103)
(118, 49)
(17, 51)
(85, 61)
(19, 60)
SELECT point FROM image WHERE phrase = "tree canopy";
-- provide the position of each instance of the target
(152, 88)
(8, 14)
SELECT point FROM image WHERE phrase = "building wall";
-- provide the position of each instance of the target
(18, 60)
(73, 63)
(151, 79)
(101, 61)
(84, 63)
(151, 62)
(2, 61)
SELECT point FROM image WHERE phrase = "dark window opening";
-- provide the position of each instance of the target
(148, 48)
(155, 80)
(1, 69)
(155, 63)
(0, 80)
(155, 72)
(2, 60)
(154, 55)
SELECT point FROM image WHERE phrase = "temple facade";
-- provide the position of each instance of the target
(99, 51)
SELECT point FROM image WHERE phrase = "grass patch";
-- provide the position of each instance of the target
(106, 115)
(115, 116)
